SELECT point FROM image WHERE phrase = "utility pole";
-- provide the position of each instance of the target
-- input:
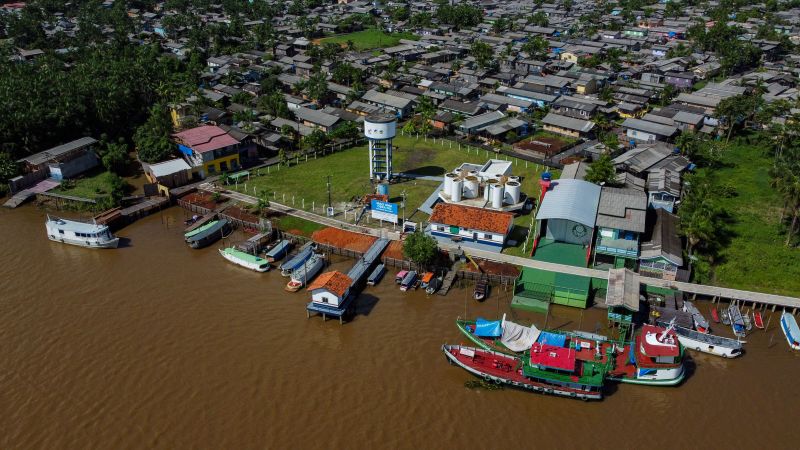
(330, 205)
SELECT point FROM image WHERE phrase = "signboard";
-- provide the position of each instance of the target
(384, 210)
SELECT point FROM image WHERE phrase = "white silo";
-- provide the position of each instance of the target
(512, 192)
(497, 196)
(448, 183)
(486, 191)
(380, 129)
(455, 192)
(471, 187)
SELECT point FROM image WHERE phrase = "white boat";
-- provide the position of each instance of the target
(707, 343)
(791, 330)
(245, 259)
(297, 260)
(302, 275)
(90, 235)
(700, 322)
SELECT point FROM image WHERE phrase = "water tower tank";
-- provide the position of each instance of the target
(455, 193)
(380, 126)
(380, 129)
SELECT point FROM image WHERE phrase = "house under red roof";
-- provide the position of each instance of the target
(205, 138)
(335, 282)
(472, 218)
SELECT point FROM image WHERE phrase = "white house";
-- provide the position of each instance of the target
(330, 289)
(471, 225)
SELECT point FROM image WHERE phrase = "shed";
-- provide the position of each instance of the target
(570, 209)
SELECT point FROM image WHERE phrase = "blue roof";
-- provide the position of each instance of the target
(556, 340)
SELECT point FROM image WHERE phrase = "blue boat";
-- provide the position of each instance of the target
(791, 330)
(409, 281)
(279, 251)
(297, 260)
(376, 275)
(737, 321)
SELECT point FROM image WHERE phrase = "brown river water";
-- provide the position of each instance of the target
(155, 345)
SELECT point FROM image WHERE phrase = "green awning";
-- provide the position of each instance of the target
(239, 175)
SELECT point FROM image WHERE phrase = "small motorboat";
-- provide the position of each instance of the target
(726, 318)
(409, 281)
(738, 323)
(191, 220)
(376, 275)
(790, 330)
(748, 322)
(434, 285)
(700, 322)
(400, 275)
(481, 289)
(426, 278)
(297, 261)
(302, 275)
(715, 315)
(279, 250)
(758, 320)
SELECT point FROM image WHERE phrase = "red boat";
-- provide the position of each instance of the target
(758, 321)
(715, 315)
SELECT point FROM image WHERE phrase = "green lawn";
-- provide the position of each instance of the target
(371, 38)
(296, 225)
(91, 187)
(755, 259)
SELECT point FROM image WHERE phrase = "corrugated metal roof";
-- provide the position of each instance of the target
(574, 200)
(42, 157)
(622, 209)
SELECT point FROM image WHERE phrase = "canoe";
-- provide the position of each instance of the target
(715, 315)
(376, 275)
(758, 320)
(278, 251)
(246, 260)
(726, 318)
(297, 260)
(790, 330)
(400, 275)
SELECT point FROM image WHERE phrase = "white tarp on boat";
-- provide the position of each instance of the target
(518, 338)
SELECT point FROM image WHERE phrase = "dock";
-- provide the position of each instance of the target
(26, 194)
(358, 274)
(255, 243)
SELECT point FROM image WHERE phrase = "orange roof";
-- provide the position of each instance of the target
(335, 281)
(472, 218)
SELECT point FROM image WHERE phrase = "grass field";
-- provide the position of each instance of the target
(296, 225)
(755, 258)
(369, 39)
(91, 187)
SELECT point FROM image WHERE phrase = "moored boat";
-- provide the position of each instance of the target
(499, 335)
(790, 330)
(655, 357)
(243, 259)
(707, 343)
(82, 234)
(758, 320)
(562, 371)
(700, 322)
(400, 275)
(302, 275)
(715, 314)
(425, 279)
(409, 281)
(737, 321)
(481, 289)
(297, 260)
(726, 318)
(376, 275)
(434, 286)
(278, 251)
(207, 234)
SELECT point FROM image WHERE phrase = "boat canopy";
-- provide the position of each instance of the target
(488, 328)
(556, 340)
(518, 338)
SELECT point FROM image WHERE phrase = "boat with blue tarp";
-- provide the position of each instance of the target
(297, 260)
(208, 233)
(278, 251)
(376, 275)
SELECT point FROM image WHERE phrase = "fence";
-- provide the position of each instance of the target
(262, 224)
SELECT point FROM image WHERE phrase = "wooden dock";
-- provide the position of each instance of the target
(19, 198)
(449, 279)
(255, 243)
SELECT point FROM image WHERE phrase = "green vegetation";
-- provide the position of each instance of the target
(105, 187)
(296, 225)
(369, 39)
(420, 248)
(755, 258)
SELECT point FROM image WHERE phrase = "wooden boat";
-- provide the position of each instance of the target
(547, 369)
(655, 357)
(376, 275)
(707, 343)
(208, 233)
(400, 275)
(726, 318)
(481, 289)
(737, 321)
(409, 281)
(246, 260)
(425, 279)
(715, 315)
(790, 330)
(700, 322)
(279, 250)
(434, 286)
(82, 234)
(302, 275)
(758, 320)
(297, 260)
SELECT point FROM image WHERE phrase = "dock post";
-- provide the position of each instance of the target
(340, 320)
(324, 318)
(773, 308)
(308, 315)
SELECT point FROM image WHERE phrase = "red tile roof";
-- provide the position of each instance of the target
(205, 138)
(472, 218)
(335, 281)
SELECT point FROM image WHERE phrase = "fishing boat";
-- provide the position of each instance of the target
(715, 315)
(409, 281)
(434, 286)
(499, 335)
(302, 275)
(243, 259)
(376, 275)
(83, 234)
(297, 260)
(737, 321)
(207, 234)
(425, 279)
(700, 322)
(790, 330)
(707, 343)
(748, 324)
(557, 370)
(279, 250)
(400, 275)
(726, 318)
(654, 358)
(758, 320)
(481, 289)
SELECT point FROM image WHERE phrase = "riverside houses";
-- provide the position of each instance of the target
(330, 288)
(208, 149)
(620, 222)
(473, 227)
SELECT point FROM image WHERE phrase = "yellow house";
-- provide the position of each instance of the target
(209, 150)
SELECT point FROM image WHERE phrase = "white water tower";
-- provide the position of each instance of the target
(379, 130)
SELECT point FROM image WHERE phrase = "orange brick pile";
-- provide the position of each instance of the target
(200, 199)
(343, 239)
(492, 268)
(394, 250)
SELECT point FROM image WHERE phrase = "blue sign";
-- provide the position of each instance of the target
(384, 210)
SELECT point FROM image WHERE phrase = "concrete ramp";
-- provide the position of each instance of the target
(26, 194)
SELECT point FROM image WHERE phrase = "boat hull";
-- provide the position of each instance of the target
(789, 328)
(452, 351)
(653, 381)
(111, 243)
(244, 264)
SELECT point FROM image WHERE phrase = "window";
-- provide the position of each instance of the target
(487, 236)
(60, 231)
